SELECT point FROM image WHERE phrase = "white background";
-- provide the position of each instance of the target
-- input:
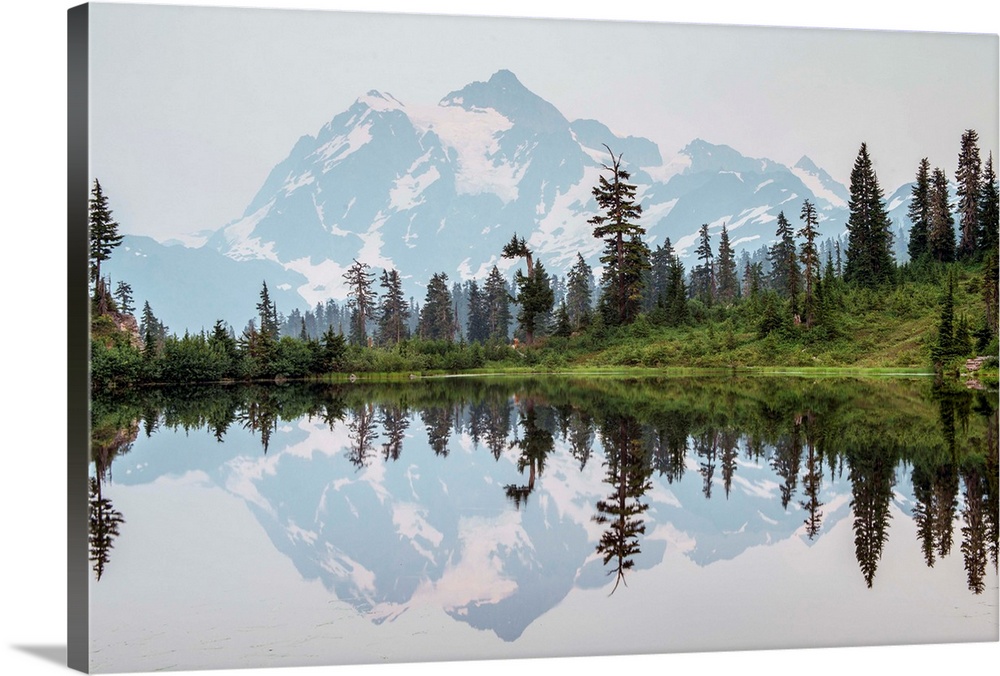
(32, 558)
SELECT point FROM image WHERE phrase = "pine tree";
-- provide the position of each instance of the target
(437, 318)
(785, 263)
(267, 312)
(659, 274)
(945, 348)
(222, 345)
(625, 257)
(809, 255)
(360, 300)
(633, 275)
(941, 234)
(394, 312)
(535, 297)
(753, 277)
(703, 276)
(518, 248)
(534, 292)
(478, 329)
(497, 306)
(103, 232)
(153, 331)
(333, 350)
(676, 295)
(293, 324)
(728, 282)
(123, 294)
(869, 239)
(563, 325)
(989, 210)
(919, 213)
(967, 177)
(579, 289)
(991, 279)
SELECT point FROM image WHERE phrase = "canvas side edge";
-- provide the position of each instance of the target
(78, 366)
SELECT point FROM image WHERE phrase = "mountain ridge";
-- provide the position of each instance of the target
(429, 189)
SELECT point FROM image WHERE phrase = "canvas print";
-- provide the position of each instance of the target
(420, 338)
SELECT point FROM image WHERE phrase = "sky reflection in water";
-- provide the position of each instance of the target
(482, 518)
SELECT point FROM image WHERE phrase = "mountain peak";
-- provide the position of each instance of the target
(380, 101)
(806, 164)
(506, 94)
(504, 77)
(637, 150)
(707, 156)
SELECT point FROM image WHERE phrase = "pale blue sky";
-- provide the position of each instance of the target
(191, 107)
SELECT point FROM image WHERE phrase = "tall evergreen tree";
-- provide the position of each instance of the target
(534, 291)
(869, 239)
(535, 296)
(703, 276)
(728, 282)
(579, 289)
(563, 325)
(103, 232)
(919, 212)
(991, 280)
(360, 300)
(478, 328)
(941, 233)
(946, 347)
(152, 330)
(676, 294)
(222, 345)
(967, 178)
(518, 248)
(437, 318)
(498, 306)
(753, 278)
(267, 313)
(394, 311)
(123, 294)
(626, 256)
(989, 210)
(659, 274)
(333, 350)
(785, 263)
(809, 256)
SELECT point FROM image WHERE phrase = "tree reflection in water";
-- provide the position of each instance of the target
(535, 444)
(628, 474)
(947, 441)
(109, 439)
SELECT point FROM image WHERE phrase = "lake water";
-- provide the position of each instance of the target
(465, 518)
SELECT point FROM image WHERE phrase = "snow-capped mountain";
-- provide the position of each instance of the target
(427, 189)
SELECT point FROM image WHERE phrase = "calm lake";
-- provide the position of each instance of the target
(464, 518)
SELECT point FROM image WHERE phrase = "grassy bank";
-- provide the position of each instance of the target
(860, 332)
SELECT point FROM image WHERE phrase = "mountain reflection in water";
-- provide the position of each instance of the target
(499, 496)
